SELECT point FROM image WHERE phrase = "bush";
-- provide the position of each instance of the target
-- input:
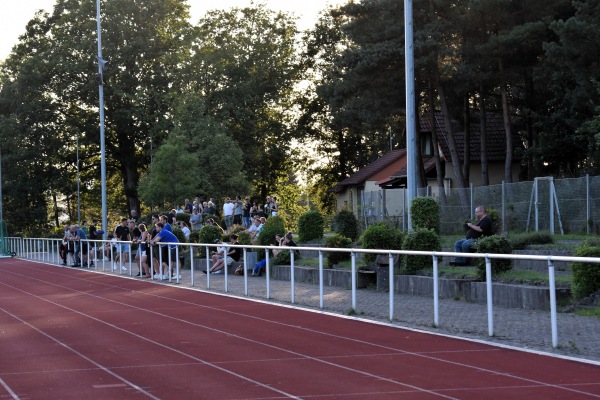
(337, 241)
(179, 234)
(283, 258)
(310, 226)
(273, 226)
(206, 217)
(185, 217)
(244, 238)
(346, 224)
(425, 213)
(209, 233)
(586, 276)
(420, 239)
(493, 244)
(522, 240)
(380, 236)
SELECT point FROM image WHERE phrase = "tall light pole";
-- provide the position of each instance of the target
(411, 148)
(101, 66)
(78, 183)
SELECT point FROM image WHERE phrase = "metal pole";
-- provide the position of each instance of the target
(490, 299)
(411, 153)
(78, 182)
(551, 203)
(353, 280)
(320, 279)
(552, 284)
(587, 204)
(102, 138)
(391, 285)
(436, 299)
(504, 206)
(536, 205)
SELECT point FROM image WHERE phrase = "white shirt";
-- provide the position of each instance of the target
(228, 209)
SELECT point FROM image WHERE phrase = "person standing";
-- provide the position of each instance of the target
(122, 235)
(238, 211)
(168, 248)
(228, 208)
(246, 213)
(483, 227)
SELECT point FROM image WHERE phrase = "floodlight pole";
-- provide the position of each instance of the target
(102, 145)
(411, 153)
(78, 183)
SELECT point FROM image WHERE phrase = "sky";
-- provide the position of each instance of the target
(14, 16)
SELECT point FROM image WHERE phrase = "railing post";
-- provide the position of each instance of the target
(268, 272)
(191, 265)
(391, 286)
(245, 273)
(353, 280)
(552, 288)
(207, 268)
(321, 279)
(436, 298)
(490, 306)
(292, 278)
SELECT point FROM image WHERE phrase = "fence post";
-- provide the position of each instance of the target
(436, 300)
(490, 306)
(552, 288)
(320, 278)
(391, 278)
(587, 204)
(353, 279)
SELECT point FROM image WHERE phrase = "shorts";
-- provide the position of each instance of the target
(122, 247)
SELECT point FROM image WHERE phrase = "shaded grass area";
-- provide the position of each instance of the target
(589, 312)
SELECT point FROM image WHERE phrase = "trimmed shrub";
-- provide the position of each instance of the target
(522, 240)
(244, 238)
(380, 236)
(209, 233)
(310, 226)
(339, 242)
(425, 213)
(586, 276)
(495, 244)
(206, 217)
(179, 234)
(346, 224)
(284, 258)
(273, 226)
(185, 217)
(421, 239)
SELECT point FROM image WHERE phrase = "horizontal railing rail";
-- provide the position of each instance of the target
(47, 250)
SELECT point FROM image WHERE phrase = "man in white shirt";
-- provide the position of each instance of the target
(228, 208)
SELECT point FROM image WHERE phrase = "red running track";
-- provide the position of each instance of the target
(73, 334)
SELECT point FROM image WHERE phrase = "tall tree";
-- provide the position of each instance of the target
(144, 43)
(245, 65)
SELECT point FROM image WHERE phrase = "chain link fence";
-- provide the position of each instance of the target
(561, 206)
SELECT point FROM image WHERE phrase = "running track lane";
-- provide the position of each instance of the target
(72, 334)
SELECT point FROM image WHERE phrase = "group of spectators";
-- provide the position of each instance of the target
(131, 237)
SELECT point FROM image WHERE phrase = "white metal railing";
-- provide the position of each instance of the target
(47, 250)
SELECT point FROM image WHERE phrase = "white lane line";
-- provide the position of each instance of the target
(103, 368)
(9, 390)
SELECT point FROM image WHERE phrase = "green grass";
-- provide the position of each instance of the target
(516, 277)
(589, 312)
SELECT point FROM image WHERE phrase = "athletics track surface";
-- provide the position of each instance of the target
(74, 334)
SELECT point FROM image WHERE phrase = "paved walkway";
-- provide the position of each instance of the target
(578, 336)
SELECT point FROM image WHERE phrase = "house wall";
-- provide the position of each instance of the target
(495, 171)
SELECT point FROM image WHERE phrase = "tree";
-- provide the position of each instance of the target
(51, 77)
(198, 157)
(245, 66)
